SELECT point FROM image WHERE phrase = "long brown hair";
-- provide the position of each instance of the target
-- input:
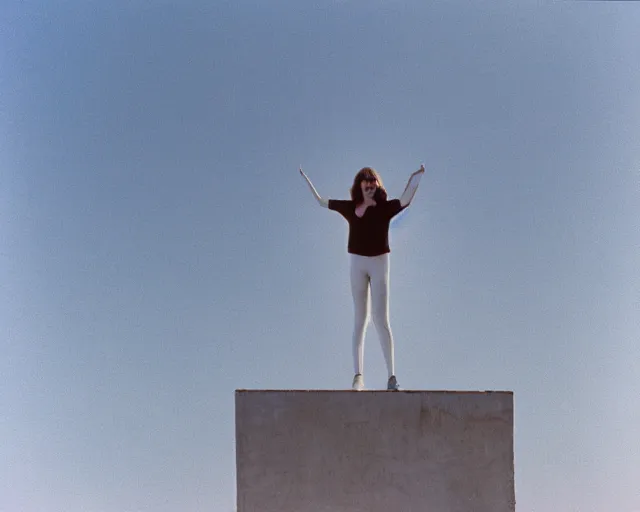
(367, 174)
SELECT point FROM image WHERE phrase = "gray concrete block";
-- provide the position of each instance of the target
(374, 451)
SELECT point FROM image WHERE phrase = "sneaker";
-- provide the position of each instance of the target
(392, 384)
(358, 382)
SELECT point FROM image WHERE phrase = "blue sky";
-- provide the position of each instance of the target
(158, 248)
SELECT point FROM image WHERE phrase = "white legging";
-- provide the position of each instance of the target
(371, 272)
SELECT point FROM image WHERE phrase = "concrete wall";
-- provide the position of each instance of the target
(374, 451)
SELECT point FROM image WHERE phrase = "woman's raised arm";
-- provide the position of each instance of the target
(322, 202)
(412, 186)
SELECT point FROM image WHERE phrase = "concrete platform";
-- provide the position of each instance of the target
(374, 451)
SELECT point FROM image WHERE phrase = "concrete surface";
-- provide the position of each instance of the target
(374, 451)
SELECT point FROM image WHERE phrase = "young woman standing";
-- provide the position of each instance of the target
(369, 213)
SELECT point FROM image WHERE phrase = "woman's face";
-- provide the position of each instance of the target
(368, 188)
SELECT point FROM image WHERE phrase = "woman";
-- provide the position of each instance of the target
(369, 214)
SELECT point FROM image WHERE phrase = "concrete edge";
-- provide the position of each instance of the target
(441, 391)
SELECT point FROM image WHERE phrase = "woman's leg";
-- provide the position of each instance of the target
(380, 300)
(360, 293)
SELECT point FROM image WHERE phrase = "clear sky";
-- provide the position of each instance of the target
(158, 248)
